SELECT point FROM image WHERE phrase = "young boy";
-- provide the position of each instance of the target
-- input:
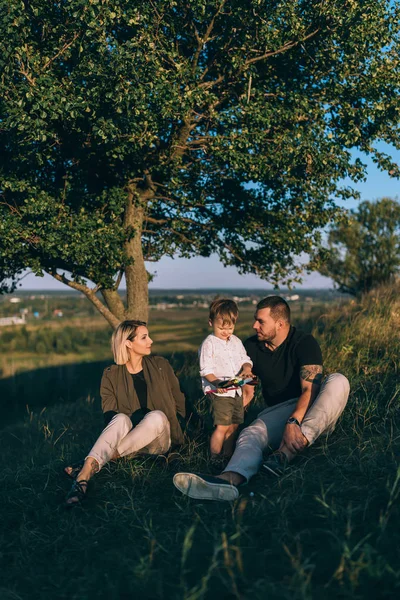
(222, 356)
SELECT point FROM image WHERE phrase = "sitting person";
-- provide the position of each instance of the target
(141, 400)
(300, 405)
(222, 357)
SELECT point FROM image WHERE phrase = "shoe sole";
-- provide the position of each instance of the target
(195, 487)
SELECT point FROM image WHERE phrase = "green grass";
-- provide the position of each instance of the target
(329, 529)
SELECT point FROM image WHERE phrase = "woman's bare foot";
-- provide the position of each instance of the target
(79, 487)
(77, 493)
(74, 469)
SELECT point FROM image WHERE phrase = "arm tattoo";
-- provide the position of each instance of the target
(312, 374)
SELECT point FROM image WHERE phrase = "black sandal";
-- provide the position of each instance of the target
(78, 490)
(76, 468)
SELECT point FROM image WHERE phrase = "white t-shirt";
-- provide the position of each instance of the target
(223, 358)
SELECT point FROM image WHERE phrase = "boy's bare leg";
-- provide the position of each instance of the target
(248, 394)
(230, 440)
(217, 439)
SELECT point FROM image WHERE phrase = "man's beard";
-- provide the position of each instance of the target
(268, 336)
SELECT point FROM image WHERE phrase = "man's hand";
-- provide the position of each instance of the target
(246, 373)
(293, 438)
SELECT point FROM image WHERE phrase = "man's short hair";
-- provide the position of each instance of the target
(279, 308)
(225, 309)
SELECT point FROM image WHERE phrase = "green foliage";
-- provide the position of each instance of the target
(228, 125)
(365, 248)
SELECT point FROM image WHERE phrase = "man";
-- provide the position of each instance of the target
(300, 405)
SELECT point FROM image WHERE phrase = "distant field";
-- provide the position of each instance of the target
(75, 339)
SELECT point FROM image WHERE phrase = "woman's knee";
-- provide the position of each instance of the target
(122, 420)
(159, 420)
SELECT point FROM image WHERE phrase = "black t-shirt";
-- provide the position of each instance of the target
(279, 369)
(140, 386)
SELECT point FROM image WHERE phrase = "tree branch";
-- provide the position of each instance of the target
(63, 49)
(25, 73)
(118, 280)
(284, 48)
(114, 303)
(90, 295)
(202, 41)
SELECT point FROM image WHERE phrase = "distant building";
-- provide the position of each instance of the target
(6, 321)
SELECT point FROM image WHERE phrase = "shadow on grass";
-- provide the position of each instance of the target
(45, 387)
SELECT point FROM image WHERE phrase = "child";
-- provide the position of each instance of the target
(222, 356)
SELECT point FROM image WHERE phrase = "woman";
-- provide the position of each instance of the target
(141, 399)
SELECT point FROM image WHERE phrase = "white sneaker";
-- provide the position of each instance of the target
(205, 487)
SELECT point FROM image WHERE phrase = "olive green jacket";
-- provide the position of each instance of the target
(163, 392)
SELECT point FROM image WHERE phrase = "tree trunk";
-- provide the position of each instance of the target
(135, 273)
(114, 303)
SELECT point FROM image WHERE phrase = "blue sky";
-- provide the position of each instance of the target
(209, 272)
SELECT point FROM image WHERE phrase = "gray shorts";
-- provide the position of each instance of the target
(226, 410)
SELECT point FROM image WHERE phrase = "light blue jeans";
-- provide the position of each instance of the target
(267, 430)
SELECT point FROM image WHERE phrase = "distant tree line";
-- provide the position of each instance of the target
(364, 249)
(48, 340)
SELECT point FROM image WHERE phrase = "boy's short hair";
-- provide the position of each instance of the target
(225, 309)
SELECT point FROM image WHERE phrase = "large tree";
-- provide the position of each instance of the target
(365, 248)
(131, 130)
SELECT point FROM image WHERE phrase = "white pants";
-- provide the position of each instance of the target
(267, 430)
(150, 436)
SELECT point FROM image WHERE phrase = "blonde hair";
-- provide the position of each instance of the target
(225, 309)
(124, 332)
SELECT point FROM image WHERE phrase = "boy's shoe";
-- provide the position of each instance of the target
(205, 487)
(275, 464)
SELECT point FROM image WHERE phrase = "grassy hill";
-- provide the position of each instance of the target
(329, 529)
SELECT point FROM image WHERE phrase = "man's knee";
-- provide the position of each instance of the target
(341, 386)
(254, 435)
